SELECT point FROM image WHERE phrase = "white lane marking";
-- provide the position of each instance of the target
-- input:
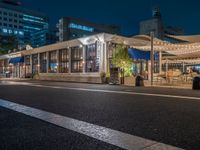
(118, 92)
(109, 91)
(117, 138)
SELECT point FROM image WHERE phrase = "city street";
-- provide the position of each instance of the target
(69, 116)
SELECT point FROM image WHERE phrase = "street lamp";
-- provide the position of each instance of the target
(152, 57)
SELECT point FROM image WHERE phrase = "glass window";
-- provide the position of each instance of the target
(53, 65)
(1, 67)
(27, 60)
(63, 60)
(35, 63)
(77, 59)
(43, 62)
(111, 47)
(92, 65)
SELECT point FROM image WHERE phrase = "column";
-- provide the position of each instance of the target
(166, 66)
(84, 58)
(99, 55)
(18, 65)
(105, 57)
(160, 62)
(183, 66)
(31, 64)
(47, 65)
(58, 65)
(38, 65)
(70, 59)
(152, 57)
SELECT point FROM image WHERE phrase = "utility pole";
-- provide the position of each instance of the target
(152, 57)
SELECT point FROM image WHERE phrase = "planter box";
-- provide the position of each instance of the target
(130, 81)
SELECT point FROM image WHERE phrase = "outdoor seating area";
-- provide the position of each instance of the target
(174, 77)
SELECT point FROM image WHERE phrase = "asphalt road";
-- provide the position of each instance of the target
(170, 120)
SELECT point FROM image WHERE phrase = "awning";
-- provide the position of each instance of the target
(16, 60)
(138, 54)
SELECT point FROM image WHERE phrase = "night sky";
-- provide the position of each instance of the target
(125, 13)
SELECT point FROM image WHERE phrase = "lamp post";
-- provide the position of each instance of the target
(152, 57)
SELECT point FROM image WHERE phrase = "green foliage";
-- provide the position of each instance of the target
(122, 60)
(3, 52)
(8, 43)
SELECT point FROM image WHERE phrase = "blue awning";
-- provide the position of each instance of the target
(16, 60)
(141, 55)
(138, 54)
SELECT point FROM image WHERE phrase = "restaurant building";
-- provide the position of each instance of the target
(80, 60)
(87, 59)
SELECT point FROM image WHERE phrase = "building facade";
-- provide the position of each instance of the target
(156, 25)
(72, 28)
(80, 60)
(88, 59)
(29, 27)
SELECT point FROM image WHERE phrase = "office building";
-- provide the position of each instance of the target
(28, 26)
(71, 28)
(156, 25)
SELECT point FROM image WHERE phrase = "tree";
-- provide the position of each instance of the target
(8, 43)
(122, 60)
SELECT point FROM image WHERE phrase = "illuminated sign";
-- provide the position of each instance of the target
(81, 27)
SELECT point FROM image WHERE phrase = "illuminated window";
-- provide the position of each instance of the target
(21, 33)
(63, 61)
(53, 65)
(77, 59)
(43, 62)
(5, 30)
(91, 59)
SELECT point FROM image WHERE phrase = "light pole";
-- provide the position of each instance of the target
(152, 57)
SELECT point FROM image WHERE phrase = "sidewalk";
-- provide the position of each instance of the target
(15, 79)
(128, 85)
(172, 86)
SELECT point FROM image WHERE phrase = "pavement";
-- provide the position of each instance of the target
(164, 115)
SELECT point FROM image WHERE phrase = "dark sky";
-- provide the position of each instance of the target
(126, 13)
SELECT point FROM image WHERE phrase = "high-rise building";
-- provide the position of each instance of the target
(72, 28)
(156, 25)
(29, 27)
